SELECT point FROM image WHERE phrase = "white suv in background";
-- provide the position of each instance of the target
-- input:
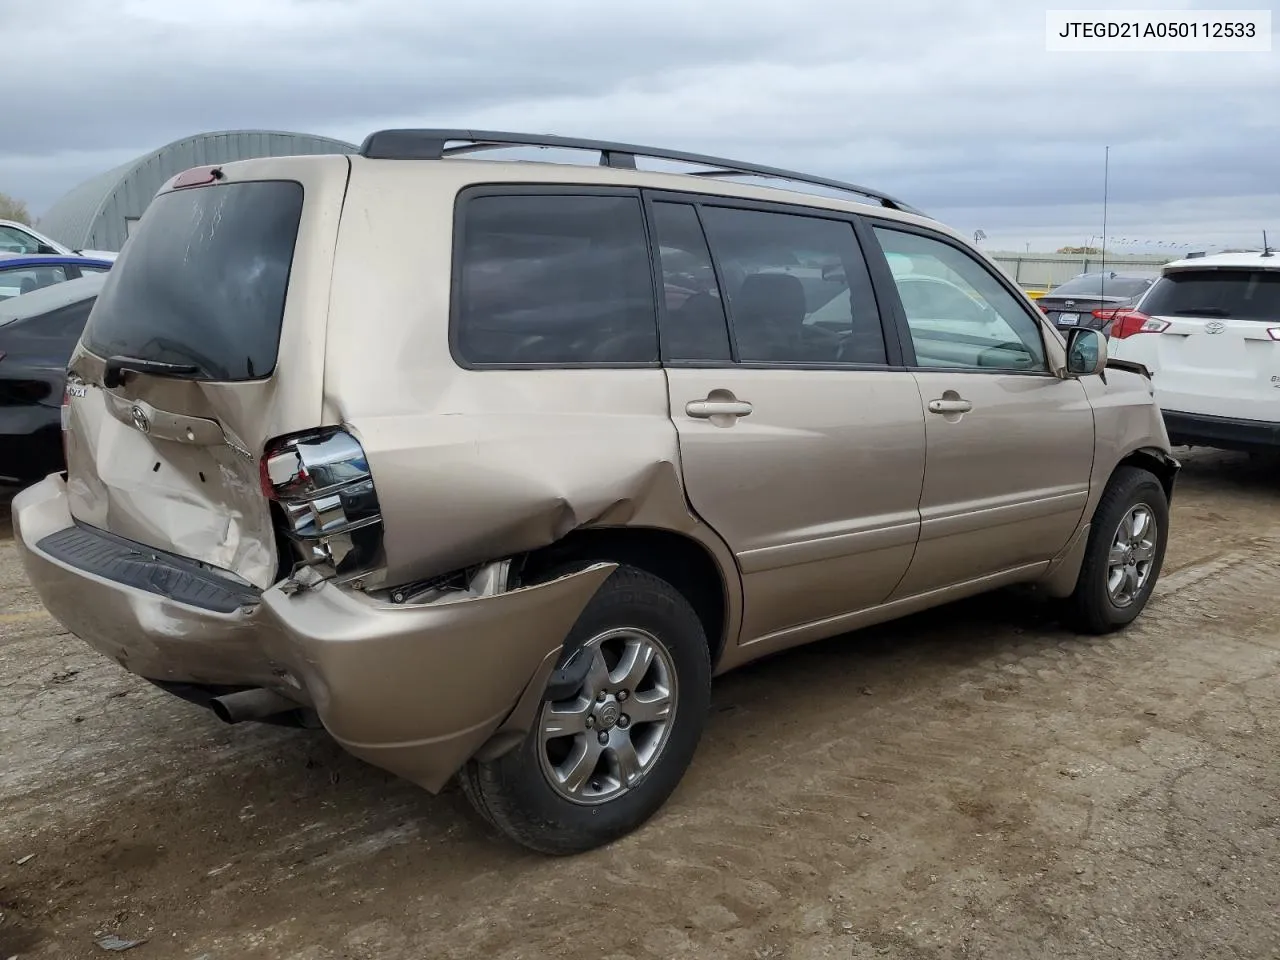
(17, 237)
(1209, 332)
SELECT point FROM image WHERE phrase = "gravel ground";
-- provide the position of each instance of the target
(975, 782)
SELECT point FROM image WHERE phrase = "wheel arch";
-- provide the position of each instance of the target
(1061, 577)
(687, 563)
(1155, 461)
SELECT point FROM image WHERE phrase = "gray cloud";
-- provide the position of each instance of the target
(953, 106)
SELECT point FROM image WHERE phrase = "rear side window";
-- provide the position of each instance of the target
(1229, 294)
(203, 281)
(554, 279)
(797, 287)
(1095, 285)
(22, 280)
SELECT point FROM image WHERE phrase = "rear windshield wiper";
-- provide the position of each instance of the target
(1203, 312)
(113, 375)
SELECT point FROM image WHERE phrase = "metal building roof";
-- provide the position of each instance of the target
(95, 214)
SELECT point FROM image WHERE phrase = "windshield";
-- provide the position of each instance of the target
(203, 281)
(1094, 285)
(1233, 294)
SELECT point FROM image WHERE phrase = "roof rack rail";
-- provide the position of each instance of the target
(407, 144)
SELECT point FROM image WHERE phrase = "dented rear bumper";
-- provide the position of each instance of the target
(414, 688)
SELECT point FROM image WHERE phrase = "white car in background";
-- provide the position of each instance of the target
(19, 238)
(1209, 332)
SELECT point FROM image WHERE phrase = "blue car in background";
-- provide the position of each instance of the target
(23, 272)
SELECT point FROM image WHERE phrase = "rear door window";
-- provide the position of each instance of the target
(203, 281)
(554, 279)
(797, 287)
(1226, 294)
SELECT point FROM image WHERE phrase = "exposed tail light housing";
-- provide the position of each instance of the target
(1273, 333)
(328, 504)
(64, 416)
(1126, 322)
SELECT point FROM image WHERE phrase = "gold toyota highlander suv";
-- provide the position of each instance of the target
(490, 466)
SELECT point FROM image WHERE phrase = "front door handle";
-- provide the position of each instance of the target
(950, 405)
(706, 409)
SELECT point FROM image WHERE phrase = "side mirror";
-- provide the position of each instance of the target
(1086, 352)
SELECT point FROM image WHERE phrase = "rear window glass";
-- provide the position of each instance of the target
(1093, 285)
(53, 333)
(1231, 294)
(202, 281)
(66, 323)
(555, 280)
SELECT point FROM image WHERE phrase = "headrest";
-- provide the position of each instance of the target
(775, 297)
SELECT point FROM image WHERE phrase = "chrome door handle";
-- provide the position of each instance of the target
(950, 406)
(706, 409)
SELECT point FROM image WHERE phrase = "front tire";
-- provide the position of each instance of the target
(600, 763)
(1124, 553)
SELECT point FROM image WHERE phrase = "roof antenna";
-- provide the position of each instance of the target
(1106, 182)
(1266, 250)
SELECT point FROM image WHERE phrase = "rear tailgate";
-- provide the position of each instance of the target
(1218, 351)
(227, 282)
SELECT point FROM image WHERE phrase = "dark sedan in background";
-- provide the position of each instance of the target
(1090, 299)
(38, 332)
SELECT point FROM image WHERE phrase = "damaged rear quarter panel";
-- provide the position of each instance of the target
(474, 465)
(520, 469)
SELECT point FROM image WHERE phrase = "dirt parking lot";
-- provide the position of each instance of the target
(976, 782)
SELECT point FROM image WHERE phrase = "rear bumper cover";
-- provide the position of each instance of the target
(416, 689)
(1228, 433)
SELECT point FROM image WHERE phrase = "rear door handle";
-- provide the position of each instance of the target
(950, 406)
(706, 409)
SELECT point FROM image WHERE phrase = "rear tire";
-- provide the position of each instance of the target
(1124, 553)
(588, 773)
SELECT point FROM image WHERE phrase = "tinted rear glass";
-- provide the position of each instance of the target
(51, 334)
(1232, 294)
(555, 280)
(1093, 286)
(202, 281)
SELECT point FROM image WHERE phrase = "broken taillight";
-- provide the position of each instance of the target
(328, 505)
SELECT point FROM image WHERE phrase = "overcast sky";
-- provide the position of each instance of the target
(954, 106)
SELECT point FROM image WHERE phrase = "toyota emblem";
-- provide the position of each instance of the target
(140, 419)
(1070, 303)
(1214, 326)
